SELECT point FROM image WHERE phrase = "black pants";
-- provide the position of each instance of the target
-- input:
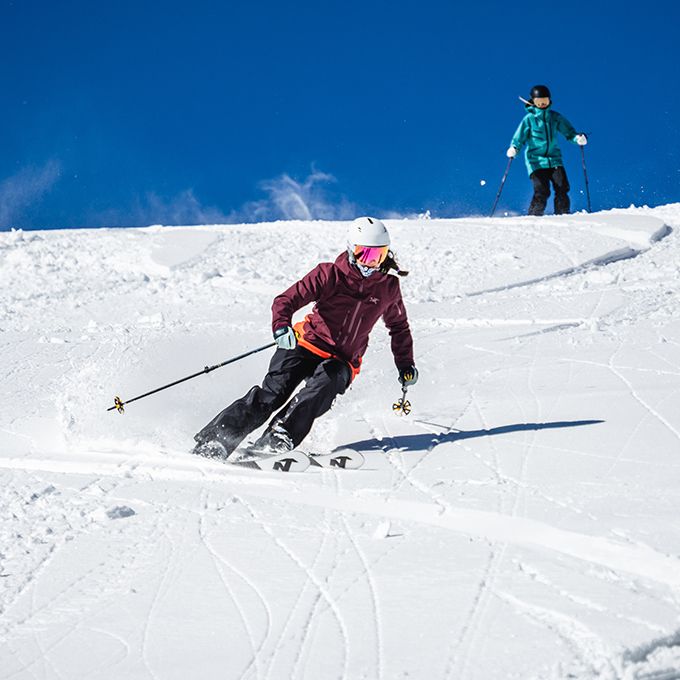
(325, 379)
(541, 180)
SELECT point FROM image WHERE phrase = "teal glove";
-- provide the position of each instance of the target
(285, 338)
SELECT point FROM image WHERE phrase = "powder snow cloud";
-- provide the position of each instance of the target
(23, 189)
(291, 199)
(285, 198)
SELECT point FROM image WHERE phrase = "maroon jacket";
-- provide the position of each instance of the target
(347, 307)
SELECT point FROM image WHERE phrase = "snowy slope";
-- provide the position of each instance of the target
(522, 522)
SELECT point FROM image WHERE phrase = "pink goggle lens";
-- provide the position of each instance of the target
(370, 256)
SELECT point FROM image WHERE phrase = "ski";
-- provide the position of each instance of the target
(292, 461)
(342, 459)
(246, 457)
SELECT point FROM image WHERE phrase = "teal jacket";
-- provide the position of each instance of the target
(538, 130)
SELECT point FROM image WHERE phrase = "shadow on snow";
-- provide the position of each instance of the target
(426, 442)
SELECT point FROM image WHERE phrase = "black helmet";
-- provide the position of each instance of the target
(538, 91)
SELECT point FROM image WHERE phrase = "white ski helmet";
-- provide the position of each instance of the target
(368, 243)
(367, 231)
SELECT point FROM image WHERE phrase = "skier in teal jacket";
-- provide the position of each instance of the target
(538, 130)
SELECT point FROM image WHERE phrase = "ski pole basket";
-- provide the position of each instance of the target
(402, 406)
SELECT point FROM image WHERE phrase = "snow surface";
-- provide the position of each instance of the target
(522, 522)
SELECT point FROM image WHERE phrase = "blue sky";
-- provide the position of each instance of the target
(134, 113)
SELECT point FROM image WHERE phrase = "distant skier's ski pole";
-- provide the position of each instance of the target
(402, 405)
(500, 188)
(119, 404)
(585, 174)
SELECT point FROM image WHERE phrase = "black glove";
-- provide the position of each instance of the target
(408, 376)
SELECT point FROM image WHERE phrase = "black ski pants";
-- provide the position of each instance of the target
(541, 180)
(325, 380)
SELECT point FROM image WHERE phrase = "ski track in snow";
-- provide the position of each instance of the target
(517, 514)
(315, 610)
(292, 611)
(375, 606)
(473, 623)
(218, 560)
(323, 592)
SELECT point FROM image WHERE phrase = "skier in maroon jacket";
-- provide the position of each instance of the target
(325, 349)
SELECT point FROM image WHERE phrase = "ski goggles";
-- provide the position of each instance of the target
(370, 256)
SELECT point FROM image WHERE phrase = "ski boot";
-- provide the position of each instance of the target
(275, 440)
(212, 449)
(210, 444)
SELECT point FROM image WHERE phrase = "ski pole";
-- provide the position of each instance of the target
(585, 174)
(500, 188)
(119, 404)
(402, 405)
